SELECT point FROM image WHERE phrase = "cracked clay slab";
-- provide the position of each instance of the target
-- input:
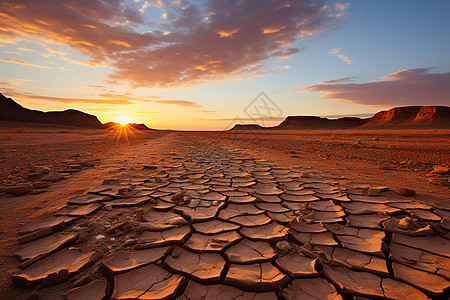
(149, 239)
(420, 259)
(66, 260)
(297, 265)
(42, 247)
(78, 210)
(370, 285)
(301, 226)
(433, 244)
(211, 243)
(205, 267)
(124, 261)
(195, 291)
(246, 252)
(322, 238)
(433, 284)
(259, 277)
(271, 232)
(311, 289)
(214, 227)
(52, 222)
(354, 260)
(372, 221)
(93, 291)
(150, 282)
(251, 220)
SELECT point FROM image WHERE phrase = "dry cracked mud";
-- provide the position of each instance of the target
(209, 221)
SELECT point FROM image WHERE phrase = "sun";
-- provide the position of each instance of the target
(123, 120)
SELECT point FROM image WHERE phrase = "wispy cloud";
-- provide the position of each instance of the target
(178, 102)
(116, 98)
(340, 80)
(29, 96)
(337, 52)
(407, 87)
(21, 62)
(27, 49)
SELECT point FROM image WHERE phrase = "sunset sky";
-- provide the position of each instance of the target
(191, 64)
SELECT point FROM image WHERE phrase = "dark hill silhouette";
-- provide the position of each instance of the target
(248, 127)
(11, 111)
(307, 122)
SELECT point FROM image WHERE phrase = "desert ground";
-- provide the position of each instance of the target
(147, 169)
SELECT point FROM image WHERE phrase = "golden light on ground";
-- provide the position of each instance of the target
(124, 120)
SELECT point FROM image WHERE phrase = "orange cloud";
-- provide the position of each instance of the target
(407, 87)
(21, 62)
(56, 51)
(178, 102)
(28, 96)
(26, 49)
(175, 52)
(224, 33)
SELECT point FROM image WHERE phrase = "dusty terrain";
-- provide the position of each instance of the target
(397, 158)
(347, 158)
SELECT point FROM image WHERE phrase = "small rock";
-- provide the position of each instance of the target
(215, 203)
(99, 237)
(178, 197)
(18, 190)
(441, 169)
(439, 181)
(373, 192)
(40, 185)
(43, 170)
(375, 139)
(108, 207)
(129, 242)
(33, 175)
(186, 200)
(405, 192)
(148, 167)
(52, 177)
(405, 223)
(284, 246)
(82, 235)
(194, 203)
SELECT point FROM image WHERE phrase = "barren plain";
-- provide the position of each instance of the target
(291, 179)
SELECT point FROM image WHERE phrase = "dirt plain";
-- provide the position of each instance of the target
(392, 158)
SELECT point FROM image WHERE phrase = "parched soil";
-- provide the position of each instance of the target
(399, 158)
(389, 158)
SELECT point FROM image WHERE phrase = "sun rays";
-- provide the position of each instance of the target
(123, 132)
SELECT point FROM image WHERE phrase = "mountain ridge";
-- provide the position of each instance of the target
(405, 117)
(11, 111)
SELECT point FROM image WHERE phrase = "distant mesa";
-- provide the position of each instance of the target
(408, 117)
(306, 122)
(412, 117)
(12, 112)
(248, 127)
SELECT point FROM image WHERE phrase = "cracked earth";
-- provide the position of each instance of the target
(206, 220)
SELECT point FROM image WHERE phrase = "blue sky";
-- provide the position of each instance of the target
(210, 64)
